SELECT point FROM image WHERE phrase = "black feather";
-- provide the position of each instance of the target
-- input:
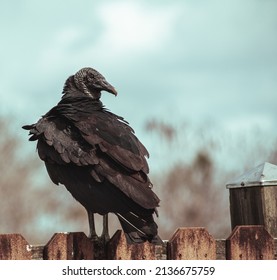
(97, 156)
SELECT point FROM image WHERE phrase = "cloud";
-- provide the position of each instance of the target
(197, 59)
(133, 27)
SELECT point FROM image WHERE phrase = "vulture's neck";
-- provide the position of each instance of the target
(71, 90)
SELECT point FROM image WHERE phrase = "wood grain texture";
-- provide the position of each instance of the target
(14, 247)
(192, 244)
(250, 243)
(69, 246)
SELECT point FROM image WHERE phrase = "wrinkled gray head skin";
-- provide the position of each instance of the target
(91, 83)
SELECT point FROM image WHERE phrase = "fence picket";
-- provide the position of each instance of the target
(250, 243)
(68, 246)
(14, 247)
(191, 244)
(118, 249)
(245, 243)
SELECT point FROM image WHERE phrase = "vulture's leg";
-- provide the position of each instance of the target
(92, 231)
(105, 233)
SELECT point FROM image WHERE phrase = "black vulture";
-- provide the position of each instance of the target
(97, 157)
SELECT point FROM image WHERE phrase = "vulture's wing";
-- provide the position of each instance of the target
(116, 139)
(101, 141)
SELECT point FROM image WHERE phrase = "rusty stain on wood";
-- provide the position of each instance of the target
(192, 244)
(14, 247)
(250, 243)
(119, 249)
(69, 246)
(246, 242)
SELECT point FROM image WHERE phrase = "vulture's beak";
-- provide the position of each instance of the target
(112, 90)
(108, 87)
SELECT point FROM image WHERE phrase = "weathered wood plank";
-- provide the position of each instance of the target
(246, 206)
(220, 249)
(37, 252)
(269, 196)
(78, 246)
(14, 247)
(253, 198)
(193, 243)
(69, 246)
(250, 243)
(119, 249)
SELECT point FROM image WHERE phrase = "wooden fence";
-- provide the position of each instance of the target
(192, 243)
(253, 209)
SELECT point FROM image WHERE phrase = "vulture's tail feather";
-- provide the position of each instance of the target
(138, 229)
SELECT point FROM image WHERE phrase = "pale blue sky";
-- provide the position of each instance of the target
(188, 60)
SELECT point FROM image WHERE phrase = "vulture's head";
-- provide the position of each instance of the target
(91, 83)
